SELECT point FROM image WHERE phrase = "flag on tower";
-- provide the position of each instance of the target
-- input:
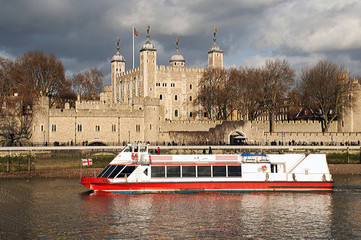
(135, 32)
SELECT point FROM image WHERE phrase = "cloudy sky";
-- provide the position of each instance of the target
(82, 33)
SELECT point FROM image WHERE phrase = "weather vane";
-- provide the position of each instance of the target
(177, 43)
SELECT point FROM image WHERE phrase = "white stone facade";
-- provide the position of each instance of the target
(154, 103)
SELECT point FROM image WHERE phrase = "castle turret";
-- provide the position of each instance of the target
(117, 67)
(148, 63)
(177, 60)
(215, 54)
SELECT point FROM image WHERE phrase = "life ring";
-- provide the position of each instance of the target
(133, 156)
(264, 168)
(136, 156)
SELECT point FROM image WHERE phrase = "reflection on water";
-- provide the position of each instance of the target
(62, 209)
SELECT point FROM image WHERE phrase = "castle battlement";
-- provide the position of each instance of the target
(131, 71)
(179, 69)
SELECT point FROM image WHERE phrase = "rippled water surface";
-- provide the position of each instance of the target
(63, 209)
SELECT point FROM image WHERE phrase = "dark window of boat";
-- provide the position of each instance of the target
(116, 171)
(234, 171)
(173, 171)
(127, 171)
(158, 171)
(274, 168)
(219, 171)
(188, 171)
(109, 171)
(104, 170)
(204, 171)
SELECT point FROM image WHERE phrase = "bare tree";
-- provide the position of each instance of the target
(44, 73)
(248, 93)
(89, 84)
(325, 87)
(277, 80)
(16, 106)
(66, 95)
(209, 93)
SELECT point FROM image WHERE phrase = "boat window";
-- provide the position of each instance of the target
(143, 149)
(146, 171)
(173, 171)
(234, 171)
(188, 171)
(126, 171)
(274, 168)
(116, 171)
(219, 171)
(204, 171)
(158, 171)
(135, 149)
(109, 171)
(104, 170)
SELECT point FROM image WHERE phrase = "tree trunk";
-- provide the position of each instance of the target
(270, 122)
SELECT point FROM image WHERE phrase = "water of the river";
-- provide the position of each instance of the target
(63, 209)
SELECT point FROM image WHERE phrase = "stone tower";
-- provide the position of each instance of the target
(148, 63)
(117, 67)
(215, 54)
(177, 60)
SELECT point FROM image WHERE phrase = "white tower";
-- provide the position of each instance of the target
(148, 63)
(117, 68)
(215, 54)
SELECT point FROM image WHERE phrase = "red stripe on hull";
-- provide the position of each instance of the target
(212, 186)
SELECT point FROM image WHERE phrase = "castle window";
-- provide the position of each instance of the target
(175, 97)
(190, 86)
(190, 114)
(53, 128)
(97, 128)
(137, 128)
(172, 84)
(160, 97)
(190, 98)
(114, 128)
(80, 127)
(41, 128)
(176, 113)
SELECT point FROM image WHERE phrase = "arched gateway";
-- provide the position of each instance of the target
(237, 138)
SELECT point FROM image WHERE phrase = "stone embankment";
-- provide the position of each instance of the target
(76, 173)
(61, 173)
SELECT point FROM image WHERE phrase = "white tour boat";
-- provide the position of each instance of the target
(134, 170)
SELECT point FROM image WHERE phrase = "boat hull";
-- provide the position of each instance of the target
(191, 187)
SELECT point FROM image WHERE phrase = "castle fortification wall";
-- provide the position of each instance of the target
(294, 126)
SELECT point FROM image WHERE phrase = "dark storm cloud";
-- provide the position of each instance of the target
(82, 33)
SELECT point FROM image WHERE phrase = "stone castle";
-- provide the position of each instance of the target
(154, 103)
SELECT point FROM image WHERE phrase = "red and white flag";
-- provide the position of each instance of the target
(135, 32)
(87, 162)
